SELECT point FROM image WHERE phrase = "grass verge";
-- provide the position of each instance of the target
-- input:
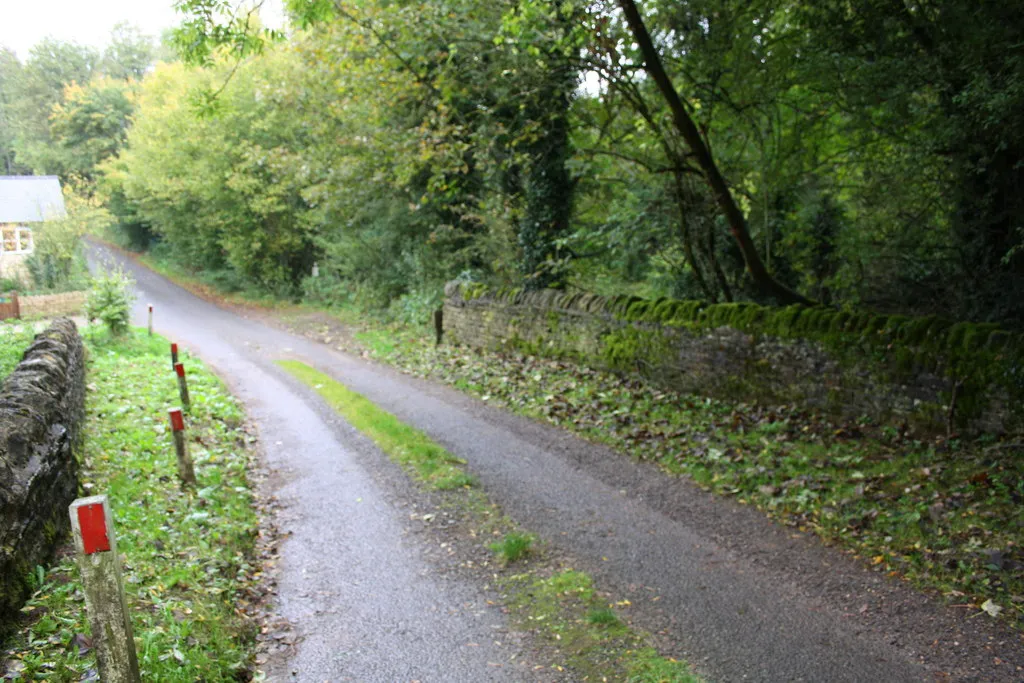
(188, 567)
(15, 337)
(558, 605)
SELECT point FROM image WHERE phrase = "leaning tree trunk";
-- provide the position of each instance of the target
(763, 280)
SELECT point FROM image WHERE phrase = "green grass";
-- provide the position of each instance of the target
(565, 609)
(188, 566)
(15, 337)
(411, 448)
(596, 642)
(512, 547)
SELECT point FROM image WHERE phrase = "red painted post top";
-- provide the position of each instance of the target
(92, 520)
(174, 348)
(177, 421)
(180, 369)
(151, 308)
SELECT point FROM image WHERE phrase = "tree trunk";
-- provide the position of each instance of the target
(763, 280)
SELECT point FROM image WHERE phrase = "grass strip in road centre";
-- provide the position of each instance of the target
(188, 563)
(410, 447)
(561, 606)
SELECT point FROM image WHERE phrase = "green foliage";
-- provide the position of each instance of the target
(15, 337)
(399, 145)
(57, 263)
(89, 126)
(110, 300)
(186, 615)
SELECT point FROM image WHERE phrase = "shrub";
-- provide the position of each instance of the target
(110, 300)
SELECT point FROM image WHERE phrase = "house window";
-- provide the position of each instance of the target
(16, 239)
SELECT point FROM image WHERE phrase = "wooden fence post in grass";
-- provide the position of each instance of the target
(174, 355)
(100, 566)
(179, 369)
(151, 320)
(438, 325)
(186, 472)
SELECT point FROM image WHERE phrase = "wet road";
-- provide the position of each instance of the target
(742, 598)
(365, 603)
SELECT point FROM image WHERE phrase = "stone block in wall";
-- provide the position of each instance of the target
(42, 410)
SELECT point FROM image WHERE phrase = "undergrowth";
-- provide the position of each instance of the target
(187, 566)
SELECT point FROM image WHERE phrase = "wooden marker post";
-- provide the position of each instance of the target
(438, 326)
(100, 566)
(179, 369)
(174, 355)
(151, 320)
(186, 472)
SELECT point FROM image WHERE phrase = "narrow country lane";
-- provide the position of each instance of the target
(743, 599)
(364, 602)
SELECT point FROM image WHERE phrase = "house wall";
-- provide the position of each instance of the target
(12, 264)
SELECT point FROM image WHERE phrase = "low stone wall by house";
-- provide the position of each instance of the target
(42, 409)
(893, 369)
(52, 305)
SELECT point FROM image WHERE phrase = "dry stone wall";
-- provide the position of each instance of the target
(891, 369)
(42, 409)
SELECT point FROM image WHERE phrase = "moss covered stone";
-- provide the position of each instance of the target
(889, 367)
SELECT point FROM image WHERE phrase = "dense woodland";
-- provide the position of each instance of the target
(865, 153)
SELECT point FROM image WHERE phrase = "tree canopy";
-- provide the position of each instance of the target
(862, 153)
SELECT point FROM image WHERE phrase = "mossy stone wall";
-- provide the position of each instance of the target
(42, 410)
(892, 369)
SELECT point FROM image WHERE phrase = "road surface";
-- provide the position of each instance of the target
(740, 597)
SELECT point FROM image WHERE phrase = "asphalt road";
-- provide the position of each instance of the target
(741, 598)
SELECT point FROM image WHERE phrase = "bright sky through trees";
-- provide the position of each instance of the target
(23, 24)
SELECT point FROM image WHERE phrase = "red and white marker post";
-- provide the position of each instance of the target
(179, 370)
(100, 565)
(151, 320)
(186, 472)
(174, 355)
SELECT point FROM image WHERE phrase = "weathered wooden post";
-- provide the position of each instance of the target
(179, 369)
(151, 320)
(186, 472)
(100, 565)
(438, 325)
(174, 355)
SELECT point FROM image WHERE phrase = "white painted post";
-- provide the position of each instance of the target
(186, 472)
(151, 320)
(100, 565)
(179, 369)
(174, 355)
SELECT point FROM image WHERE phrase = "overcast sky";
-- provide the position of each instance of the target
(23, 23)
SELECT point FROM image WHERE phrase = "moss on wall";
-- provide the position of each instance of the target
(920, 359)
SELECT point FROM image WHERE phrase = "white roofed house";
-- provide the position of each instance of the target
(25, 202)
